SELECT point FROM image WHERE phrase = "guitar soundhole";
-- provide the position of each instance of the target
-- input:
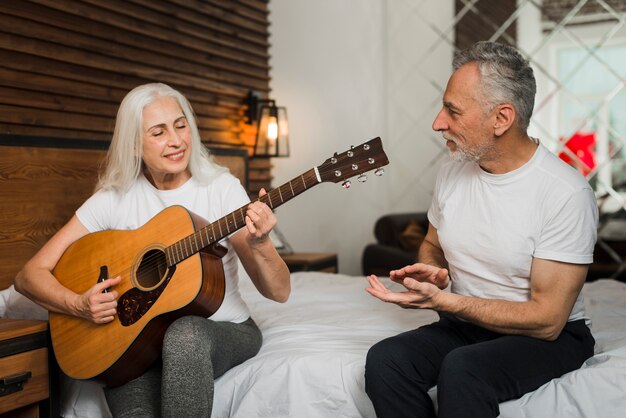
(152, 269)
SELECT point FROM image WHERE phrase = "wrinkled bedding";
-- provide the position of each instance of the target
(312, 360)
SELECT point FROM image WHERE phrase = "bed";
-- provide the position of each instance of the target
(312, 359)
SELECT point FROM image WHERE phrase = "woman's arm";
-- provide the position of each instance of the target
(37, 282)
(266, 268)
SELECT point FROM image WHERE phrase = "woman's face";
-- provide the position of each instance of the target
(166, 143)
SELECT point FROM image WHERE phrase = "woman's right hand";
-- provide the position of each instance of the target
(99, 306)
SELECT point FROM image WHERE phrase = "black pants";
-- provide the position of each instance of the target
(474, 369)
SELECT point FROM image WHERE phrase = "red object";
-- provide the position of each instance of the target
(583, 146)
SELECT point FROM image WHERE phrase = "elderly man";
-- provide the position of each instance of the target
(512, 231)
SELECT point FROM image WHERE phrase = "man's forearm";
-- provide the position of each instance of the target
(506, 317)
(429, 253)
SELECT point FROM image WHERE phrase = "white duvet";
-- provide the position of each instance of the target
(311, 363)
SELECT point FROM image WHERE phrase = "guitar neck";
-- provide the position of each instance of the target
(236, 220)
(338, 168)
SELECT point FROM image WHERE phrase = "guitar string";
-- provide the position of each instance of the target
(152, 263)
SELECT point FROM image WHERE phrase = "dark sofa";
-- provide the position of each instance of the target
(398, 237)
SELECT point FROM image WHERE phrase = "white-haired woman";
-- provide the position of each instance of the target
(156, 160)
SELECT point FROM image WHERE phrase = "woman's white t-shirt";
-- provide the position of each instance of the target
(490, 227)
(111, 210)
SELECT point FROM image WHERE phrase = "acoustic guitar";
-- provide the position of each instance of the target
(170, 267)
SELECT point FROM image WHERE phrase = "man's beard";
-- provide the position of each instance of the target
(475, 155)
(461, 155)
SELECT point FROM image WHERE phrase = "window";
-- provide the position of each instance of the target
(592, 102)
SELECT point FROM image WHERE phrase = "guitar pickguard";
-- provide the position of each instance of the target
(134, 303)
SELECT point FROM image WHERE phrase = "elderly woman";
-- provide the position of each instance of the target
(156, 160)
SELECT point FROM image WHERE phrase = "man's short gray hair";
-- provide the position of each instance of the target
(506, 77)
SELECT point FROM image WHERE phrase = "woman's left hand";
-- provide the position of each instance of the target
(255, 249)
(259, 220)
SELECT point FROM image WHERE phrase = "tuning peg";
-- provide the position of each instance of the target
(362, 178)
(379, 171)
(346, 184)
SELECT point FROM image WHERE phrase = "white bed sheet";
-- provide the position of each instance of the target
(598, 388)
(312, 360)
(311, 363)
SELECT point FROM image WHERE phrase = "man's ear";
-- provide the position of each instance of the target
(505, 116)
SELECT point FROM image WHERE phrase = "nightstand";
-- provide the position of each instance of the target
(24, 377)
(326, 262)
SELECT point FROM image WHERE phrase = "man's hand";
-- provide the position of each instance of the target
(421, 272)
(420, 295)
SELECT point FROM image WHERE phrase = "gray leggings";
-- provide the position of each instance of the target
(196, 351)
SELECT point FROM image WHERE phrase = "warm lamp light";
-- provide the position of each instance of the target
(272, 135)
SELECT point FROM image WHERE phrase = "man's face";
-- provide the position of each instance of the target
(464, 121)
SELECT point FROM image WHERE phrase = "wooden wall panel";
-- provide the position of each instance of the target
(40, 191)
(66, 64)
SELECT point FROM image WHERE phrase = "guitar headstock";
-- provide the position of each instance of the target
(356, 161)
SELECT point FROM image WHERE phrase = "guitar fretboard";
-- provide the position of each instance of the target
(232, 222)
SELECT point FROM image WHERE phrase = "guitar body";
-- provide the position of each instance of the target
(152, 295)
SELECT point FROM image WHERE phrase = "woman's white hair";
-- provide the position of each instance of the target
(124, 158)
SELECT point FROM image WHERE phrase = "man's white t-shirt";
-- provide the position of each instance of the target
(108, 209)
(490, 227)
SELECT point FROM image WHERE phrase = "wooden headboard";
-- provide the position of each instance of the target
(44, 180)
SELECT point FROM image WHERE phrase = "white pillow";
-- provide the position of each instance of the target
(4, 300)
(14, 305)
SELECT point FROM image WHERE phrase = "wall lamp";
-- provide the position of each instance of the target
(272, 134)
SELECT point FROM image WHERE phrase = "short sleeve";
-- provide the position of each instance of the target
(434, 212)
(95, 214)
(234, 196)
(570, 234)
